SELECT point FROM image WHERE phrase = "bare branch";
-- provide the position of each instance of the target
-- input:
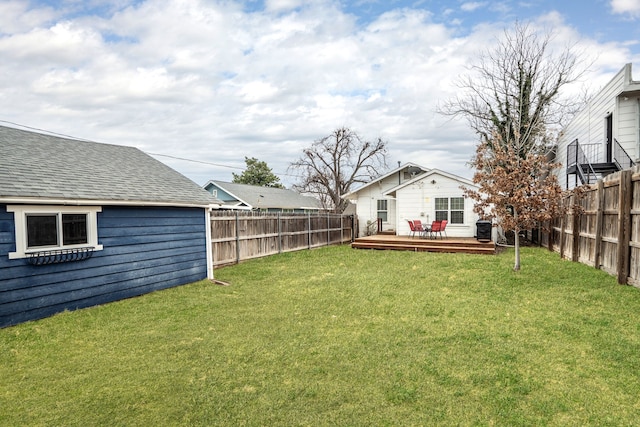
(335, 163)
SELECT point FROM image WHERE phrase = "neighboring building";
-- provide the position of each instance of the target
(604, 137)
(413, 192)
(266, 199)
(83, 223)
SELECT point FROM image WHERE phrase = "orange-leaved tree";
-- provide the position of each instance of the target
(519, 191)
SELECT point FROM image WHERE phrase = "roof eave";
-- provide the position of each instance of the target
(95, 202)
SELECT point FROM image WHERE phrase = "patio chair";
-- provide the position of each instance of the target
(412, 227)
(443, 226)
(417, 224)
(436, 227)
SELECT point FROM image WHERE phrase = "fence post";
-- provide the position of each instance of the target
(599, 224)
(550, 235)
(575, 248)
(309, 230)
(237, 239)
(624, 226)
(279, 234)
(328, 229)
(562, 225)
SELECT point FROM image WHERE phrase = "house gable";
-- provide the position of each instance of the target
(395, 177)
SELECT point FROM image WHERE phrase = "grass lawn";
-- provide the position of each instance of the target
(337, 336)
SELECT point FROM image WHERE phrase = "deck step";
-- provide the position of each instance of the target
(402, 243)
(425, 248)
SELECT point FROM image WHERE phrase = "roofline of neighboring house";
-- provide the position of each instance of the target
(211, 181)
(250, 206)
(236, 207)
(381, 177)
(78, 202)
(428, 174)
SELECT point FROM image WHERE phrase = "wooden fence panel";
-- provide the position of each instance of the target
(634, 258)
(238, 236)
(587, 221)
(606, 232)
(609, 247)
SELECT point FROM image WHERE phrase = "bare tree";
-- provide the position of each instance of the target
(332, 165)
(512, 100)
(514, 90)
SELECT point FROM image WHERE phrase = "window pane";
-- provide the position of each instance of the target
(457, 217)
(457, 203)
(442, 215)
(42, 230)
(382, 210)
(74, 229)
(442, 204)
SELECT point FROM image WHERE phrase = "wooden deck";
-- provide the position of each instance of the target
(419, 244)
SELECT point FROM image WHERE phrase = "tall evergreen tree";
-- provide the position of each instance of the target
(257, 173)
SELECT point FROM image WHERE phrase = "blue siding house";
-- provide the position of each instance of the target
(84, 223)
(264, 199)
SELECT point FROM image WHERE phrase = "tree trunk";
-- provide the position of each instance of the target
(516, 242)
(516, 266)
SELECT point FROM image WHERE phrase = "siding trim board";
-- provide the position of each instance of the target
(144, 249)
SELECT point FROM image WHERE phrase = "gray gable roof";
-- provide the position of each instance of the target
(267, 197)
(36, 167)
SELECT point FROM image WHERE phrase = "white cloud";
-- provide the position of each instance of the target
(207, 81)
(631, 7)
(472, 5)
(282, 5)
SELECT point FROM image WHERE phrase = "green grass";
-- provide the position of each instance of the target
(337, 336)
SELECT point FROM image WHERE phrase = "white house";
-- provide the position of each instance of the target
(414, 192)
(604, 136)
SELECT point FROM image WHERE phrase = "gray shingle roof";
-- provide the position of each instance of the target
(268, 197)
(39, 166)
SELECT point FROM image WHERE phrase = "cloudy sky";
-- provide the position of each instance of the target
(201, 84)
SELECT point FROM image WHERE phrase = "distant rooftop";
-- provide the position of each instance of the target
(266, 197)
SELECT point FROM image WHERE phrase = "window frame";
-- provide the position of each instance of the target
(452, 210)
(20, 213)
(446, 210)
(385, 210)
(449, 211)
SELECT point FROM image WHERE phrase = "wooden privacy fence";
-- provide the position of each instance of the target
(606, 233)
(238, 236)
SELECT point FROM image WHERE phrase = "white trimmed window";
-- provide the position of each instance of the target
(451, 209)
(46, 228)
(382, 210)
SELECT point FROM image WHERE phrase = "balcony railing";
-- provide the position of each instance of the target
(620, 157)
(586, 162)
(579, 161)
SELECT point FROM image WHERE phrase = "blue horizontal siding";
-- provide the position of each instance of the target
(145, 249)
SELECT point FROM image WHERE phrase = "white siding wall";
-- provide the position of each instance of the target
(367, 207)
(417, 201)
(629, 125)
(589, 125)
